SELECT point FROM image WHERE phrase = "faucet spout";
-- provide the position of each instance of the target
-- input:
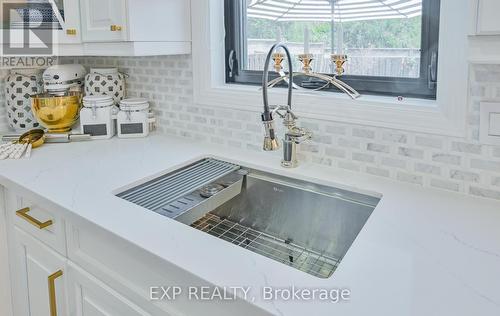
(265, 78)
(270, 138)
(294, 135)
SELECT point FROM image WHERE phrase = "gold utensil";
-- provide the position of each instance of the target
(35, 137)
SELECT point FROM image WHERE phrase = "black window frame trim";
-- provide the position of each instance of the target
(421, 87)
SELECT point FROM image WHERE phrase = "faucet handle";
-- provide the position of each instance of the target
(284, 112)
(299, 134)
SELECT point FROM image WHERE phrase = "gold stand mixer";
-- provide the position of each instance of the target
(58, 108)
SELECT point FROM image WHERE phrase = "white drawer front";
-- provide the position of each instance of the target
(42, 223)
(132, 271)
(115, 263)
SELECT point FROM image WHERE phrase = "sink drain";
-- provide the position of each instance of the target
(210, 190)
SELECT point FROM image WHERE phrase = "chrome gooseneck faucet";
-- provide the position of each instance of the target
(294, 135)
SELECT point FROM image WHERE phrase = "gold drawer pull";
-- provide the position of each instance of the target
(23, 213)
(115, 28)
(52, 292)
(71, 31)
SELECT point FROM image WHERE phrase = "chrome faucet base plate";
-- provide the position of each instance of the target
(289, 164)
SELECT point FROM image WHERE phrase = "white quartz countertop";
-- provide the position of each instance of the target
(422, 251)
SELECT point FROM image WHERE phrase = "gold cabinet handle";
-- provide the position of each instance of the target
(71, 31)
(115, 28)
(23, 213)
(52, 292)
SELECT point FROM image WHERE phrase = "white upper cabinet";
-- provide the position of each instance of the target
(136, 20)
(487, 21)
(160, 20)
(61, 22)
(104, 20)
(136, 27)
(68, 14)
(108, 27)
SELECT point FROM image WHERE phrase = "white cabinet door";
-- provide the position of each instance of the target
(69, 17)
(89, 297)
(5, 284)
(64, 29)
(159, 20)
(104, 20)
(488, 21)
(38, 277)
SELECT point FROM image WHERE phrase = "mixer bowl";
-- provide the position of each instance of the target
(57, 113)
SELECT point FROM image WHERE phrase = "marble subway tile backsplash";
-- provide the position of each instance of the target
(3, 106)
(446, 163)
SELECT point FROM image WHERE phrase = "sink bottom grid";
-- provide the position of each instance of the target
(284, 251)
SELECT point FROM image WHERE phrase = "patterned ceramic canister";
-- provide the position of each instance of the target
(20, 85)
(105, 81)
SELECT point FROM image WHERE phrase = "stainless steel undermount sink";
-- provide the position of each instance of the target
(301, 224)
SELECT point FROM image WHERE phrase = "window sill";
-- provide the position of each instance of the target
(417, 115)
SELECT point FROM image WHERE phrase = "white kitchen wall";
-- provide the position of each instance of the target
(462, 165)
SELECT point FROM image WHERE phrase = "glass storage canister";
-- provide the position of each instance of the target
(134, 119)
(20, 85)
(97, 116)
(105, 81)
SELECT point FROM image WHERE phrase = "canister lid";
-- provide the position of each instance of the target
(97, 101)
(134, 104)
(104, 71)
(26, 71)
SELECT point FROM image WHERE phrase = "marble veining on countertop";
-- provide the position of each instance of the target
(422, 251)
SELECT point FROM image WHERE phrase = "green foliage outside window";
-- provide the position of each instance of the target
(390, 33)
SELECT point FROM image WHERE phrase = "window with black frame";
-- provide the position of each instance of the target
(391, 45)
